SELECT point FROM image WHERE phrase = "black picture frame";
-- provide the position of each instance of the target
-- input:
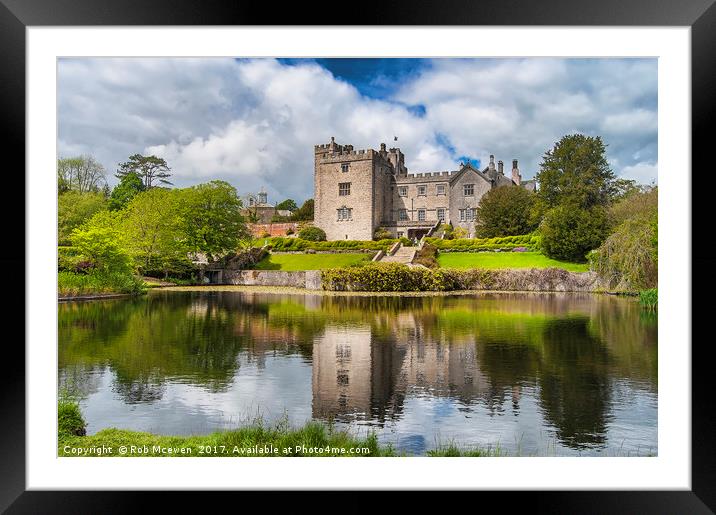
(700, 15)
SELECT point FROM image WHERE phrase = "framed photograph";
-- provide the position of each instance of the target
(434, 243)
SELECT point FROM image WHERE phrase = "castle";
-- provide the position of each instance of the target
(358, 191)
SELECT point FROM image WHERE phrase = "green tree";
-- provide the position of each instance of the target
(148, 168)
(569, 232)
(82, 174)
(211, 219)
(101, 241)
(576, 172)
(304, 213)
(75, 208)
(505, 211)
(153, 229)
(288, 204)
(129, 186)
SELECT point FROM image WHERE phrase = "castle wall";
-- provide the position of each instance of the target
(365, 207)
(459, 201)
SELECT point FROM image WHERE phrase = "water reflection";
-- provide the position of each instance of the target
(577, 369)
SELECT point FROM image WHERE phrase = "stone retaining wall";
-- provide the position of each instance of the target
(309, 279)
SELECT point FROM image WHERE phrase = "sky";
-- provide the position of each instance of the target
(254, 122)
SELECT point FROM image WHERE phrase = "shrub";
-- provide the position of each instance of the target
(281, 244)
(568, 233)
(381, 233)
(289, 231)
(69, 419)
(530, 241)
(71, 284)
(649, 298)
(427, 256)
(627, 259)
(312, 234)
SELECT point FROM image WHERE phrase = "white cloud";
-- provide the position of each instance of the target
(254, 122)
(642, 173)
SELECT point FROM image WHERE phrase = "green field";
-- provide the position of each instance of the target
(496, 260)
(310, 261)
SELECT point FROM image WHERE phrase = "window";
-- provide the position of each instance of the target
(402, 214)
(440, 189)
(403, 191)
(441, 214)
(470, 214)
(422, 190)
(344, 188)
(421, 215)
(462, 215)
(345, 213)
(469, 190)
(344, 167)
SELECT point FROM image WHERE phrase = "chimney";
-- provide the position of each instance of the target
(516, 177)
(492, 163)
(333, 144)
(501, 167)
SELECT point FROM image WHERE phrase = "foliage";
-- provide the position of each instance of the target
(576, 172)
(247, 258)
(649, 298)
(281, 244)
(148, 168)
(288, 204)
(396, 277)
(100, 241)
(569, 232)
(153, 229)
(459, 233)
(310, 261)
(627, 259)
(484, 244)
(211, 219)
(427, 256)
(312, 234)
(128, 188)
(303, 213)
(381, 233)
(82, 174)
(505, 260)
(69, 419)
(70, 284)
(75, 208)
(505, 211)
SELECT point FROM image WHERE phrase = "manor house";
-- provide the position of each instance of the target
(358, 191)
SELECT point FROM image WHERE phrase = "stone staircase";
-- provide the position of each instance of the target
(403, 255)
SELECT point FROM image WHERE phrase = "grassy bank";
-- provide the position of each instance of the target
(71, 284)
(504, 260)
(292, 262)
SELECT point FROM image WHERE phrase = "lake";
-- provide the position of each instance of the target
(548, 374)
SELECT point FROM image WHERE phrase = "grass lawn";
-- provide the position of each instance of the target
(496, 260)
(309, 261)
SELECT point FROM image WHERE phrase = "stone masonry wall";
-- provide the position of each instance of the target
(309, 279)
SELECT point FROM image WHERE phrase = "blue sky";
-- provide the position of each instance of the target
(253, 122)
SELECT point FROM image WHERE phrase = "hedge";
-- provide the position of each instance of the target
(393, 277)
(281, 244)
(485, 244)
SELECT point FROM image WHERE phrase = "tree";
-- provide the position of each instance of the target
(100, 240)
(576, 171)
(505, 211)
(304, 213)
(288, 204)
(129, 186)
(148, 168)
(82, 174)
(211, 219)
(75, 208)
(569, 232)
(152, 228)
